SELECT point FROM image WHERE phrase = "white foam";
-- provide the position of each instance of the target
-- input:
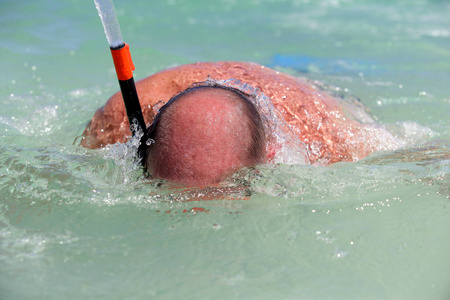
(410, 133)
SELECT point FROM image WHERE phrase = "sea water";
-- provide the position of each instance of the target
(84, 224)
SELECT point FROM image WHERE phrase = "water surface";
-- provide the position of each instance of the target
(78, 223)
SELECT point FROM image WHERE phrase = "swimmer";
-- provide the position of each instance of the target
(214, 121)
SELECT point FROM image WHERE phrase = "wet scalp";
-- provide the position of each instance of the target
(204, 134)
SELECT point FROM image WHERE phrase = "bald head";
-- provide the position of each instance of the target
(204, 135)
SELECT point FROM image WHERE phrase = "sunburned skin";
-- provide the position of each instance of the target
(315, 117)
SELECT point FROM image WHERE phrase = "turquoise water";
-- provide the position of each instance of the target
(83, 224)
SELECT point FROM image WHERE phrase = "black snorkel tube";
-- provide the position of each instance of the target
(124, 69)
(124, 66)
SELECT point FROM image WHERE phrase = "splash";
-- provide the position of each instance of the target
(39, 123)
(411, 133)
(126, 158)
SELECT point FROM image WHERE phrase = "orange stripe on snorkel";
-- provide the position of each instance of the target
(123, 63)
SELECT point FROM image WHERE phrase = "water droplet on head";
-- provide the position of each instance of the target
(158, 105)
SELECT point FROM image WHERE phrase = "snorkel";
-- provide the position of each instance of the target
(124, 69)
